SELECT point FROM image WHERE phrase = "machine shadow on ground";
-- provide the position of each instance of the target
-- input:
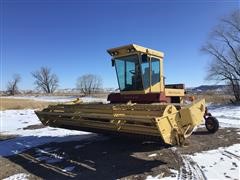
(109, 157)
(102, 157)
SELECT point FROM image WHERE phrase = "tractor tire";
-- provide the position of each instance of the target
(212, 124)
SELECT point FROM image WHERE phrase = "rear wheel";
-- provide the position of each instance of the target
(212, 124)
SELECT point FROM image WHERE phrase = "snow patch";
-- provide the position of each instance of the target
(19, 176)
(223, 163)
(160, 176)
(13, 124)
(15, 120)
(68, 169)
(152, 155)
(228, 116)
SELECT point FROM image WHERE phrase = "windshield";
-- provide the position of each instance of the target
(128, 73)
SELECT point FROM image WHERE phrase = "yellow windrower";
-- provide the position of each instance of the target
(145, 105)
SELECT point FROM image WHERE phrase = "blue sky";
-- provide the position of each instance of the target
(71, 36)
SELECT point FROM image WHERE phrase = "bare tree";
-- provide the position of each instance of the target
(224, 48)
(45, 80)
(12, 86)
(89, 83)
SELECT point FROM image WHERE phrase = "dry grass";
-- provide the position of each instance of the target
(215, 98)
(8, 103)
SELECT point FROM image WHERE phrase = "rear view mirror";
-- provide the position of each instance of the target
(113, 62)
(144, 58)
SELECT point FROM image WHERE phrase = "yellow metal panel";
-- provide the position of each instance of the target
(155, 87)
(174, 92)
(161, 76)
(149, 51)
(146, 119)
(174, 126)
(193, 113)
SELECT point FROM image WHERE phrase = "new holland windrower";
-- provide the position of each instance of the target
(145, 105)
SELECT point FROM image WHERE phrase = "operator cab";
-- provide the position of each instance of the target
(137, 68)
(140, 77)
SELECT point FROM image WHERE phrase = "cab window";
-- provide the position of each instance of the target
(145, 64)
(129, 73)
(155, 71)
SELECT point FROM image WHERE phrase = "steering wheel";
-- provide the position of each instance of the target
(132, 72)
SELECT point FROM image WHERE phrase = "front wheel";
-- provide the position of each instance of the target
(211, 124)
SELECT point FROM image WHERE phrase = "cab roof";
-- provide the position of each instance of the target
(131, 48)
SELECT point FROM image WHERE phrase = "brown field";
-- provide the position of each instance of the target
(215, 98)
(9, 103)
